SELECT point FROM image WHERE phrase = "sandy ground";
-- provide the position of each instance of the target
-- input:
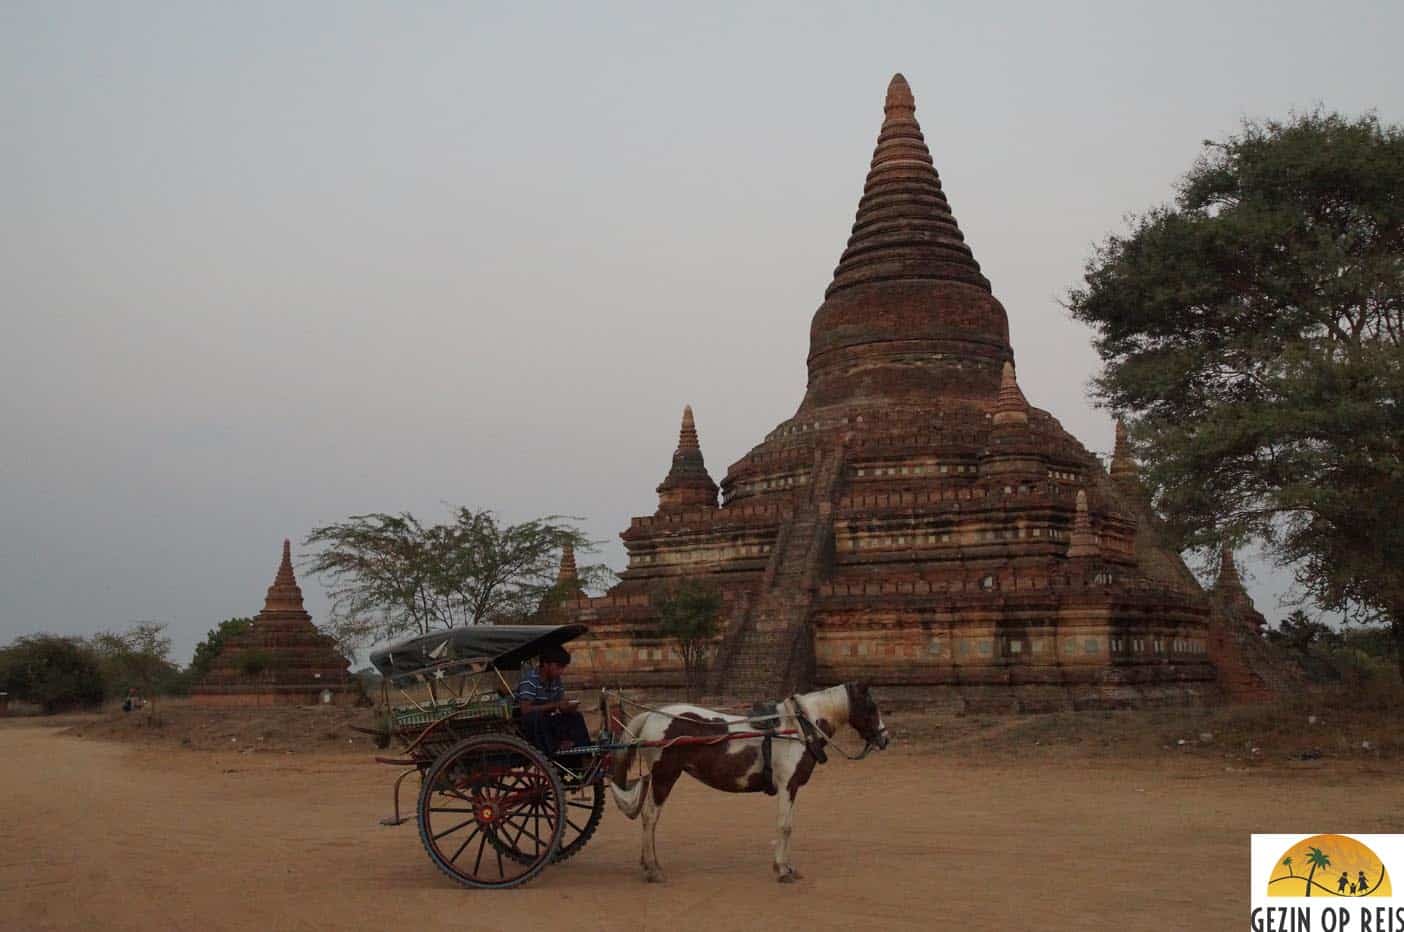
(97, 834)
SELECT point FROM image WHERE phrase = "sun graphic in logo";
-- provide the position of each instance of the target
(1328, 865)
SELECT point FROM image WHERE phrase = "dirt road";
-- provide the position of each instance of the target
(104, 835)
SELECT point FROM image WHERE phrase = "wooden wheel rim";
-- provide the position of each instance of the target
(483, 795)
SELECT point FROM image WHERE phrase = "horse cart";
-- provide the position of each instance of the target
(492, 810)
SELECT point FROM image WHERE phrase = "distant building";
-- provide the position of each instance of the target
(282, 659)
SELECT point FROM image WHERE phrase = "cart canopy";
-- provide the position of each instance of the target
(501, 646)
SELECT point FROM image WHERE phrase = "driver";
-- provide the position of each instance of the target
(550, 720)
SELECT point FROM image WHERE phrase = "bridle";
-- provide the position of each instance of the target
(815, 739)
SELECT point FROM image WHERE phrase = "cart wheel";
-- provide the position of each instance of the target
(584, 807)
(482, 792)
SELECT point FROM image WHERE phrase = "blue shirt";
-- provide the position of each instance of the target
(532, 688)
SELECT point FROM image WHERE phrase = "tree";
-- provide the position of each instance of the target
(391, 575)
(56, 673)
(1298, 633)
(138, 657)
(208, 649)
(688, 618)
(1287, 863)
(1316, 858)
(1253, 332)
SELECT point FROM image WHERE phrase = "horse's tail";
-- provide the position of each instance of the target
(629, 799)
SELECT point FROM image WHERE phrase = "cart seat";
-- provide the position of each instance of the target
(484, 709)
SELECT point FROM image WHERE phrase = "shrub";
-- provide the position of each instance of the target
(254, 662)
(55, 673)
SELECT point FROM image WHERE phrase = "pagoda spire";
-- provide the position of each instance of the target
(904, 228)
(284, 596)
(1228, 590)
(1083, 542)
(908, 316)
(687, 484)
(567, 574)
(285, 575)
(1011, 407)
(1229, 580)
(1123, 465)
(687, 434)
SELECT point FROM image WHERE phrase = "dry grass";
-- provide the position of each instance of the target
(179, 723)
(1322, 724)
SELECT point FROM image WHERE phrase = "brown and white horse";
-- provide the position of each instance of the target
(737, 765)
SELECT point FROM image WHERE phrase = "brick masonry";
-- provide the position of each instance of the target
(917, 523)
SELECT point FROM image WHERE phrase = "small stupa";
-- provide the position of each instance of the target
(1231, 595)
(282, 659)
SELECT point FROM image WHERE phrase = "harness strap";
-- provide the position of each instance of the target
(767, 772)
(814, 738)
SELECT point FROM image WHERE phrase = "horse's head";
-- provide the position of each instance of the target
(864, 716)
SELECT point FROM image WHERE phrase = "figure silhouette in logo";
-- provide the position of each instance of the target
(1363, 884)
(1341, 884)
(1352, 889)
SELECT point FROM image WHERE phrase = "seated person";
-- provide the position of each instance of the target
(550, 720)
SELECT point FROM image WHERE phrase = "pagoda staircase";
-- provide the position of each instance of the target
(771, 653)
(1249, 671)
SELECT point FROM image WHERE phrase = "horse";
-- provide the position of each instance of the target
(779, 765)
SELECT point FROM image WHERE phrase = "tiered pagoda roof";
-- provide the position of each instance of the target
(908, 318)
(282, 659)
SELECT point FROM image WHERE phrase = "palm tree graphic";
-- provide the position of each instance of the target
(1316, 858)
(1287, 863)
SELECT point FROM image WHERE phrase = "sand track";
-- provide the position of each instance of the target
(104, 835)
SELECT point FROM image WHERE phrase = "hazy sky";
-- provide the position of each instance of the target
(268, 265)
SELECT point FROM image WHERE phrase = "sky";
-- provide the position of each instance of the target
(266, 265)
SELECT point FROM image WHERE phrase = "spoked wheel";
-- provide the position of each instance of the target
(584, 807)
(483, 797)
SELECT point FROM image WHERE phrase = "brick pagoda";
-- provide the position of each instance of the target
(282, 659)
(916, 523)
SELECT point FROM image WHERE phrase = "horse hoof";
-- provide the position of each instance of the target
(788, 878)
(787, 875)
(654, 877)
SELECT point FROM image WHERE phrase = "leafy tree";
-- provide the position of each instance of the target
(208, 649)
(1299, 632)
(688, 618)
(391, 575)
(56, 673)
(1253, 331)
(138, 657)
(1316, 858)
(1287, 863)
(1370, 640)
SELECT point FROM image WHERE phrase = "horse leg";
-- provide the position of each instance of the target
(648, 856)
(784, 870)
(663, 780)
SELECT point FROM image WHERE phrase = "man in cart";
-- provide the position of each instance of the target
(550, 720)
